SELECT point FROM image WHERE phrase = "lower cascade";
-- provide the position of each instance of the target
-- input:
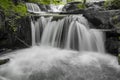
(71, 32)
(63, 49)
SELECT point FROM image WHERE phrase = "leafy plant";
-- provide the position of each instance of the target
(12, 12)
(112, 4)
(81, 6)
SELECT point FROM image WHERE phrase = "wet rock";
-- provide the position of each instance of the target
(115, 22)
(112, 42)
(101, 19)
(80, 11)
(23, 33)
(43, 7)
(71, 6)
(119, 59)
(112, 45)
(96, 6)
(1, 50)
(4, 61)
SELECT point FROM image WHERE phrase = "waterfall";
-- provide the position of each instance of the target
(57, 8)
(78, 35)
(33, 33)
(63, 49)
(32, 7)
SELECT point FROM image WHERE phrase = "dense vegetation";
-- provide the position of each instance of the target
(12, 12)
(46, 1)
(9, 7)
(112, 4)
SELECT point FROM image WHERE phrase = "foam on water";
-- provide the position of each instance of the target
(47, 63)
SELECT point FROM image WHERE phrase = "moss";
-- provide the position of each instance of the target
(81, 6)
(115, 17)
(13, 12)
(46, 1)
(118, 24)
(9, 7)
(112, 4)
(116, 20)
(107, 3)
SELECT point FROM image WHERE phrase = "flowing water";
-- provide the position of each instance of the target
(65, 49)
(56, 8)
(33, 8)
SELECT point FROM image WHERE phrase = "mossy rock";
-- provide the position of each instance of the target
(4, 61)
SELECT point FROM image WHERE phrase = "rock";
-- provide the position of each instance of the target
(99, 6)
(101, 19)
(119, 59)
(4, 61)
(2, 18)
(112, 45)
(96, 6)
(115, 21)
(80, 11)
(23, 33)
(1, 50)
(98, 19)
(43, 7)
(71, 6)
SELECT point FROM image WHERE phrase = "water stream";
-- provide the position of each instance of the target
(32, 7)
(65, 49)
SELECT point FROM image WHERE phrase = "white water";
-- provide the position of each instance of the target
(56, 8)
(70, 33)
(33, 8)
(67, 50)
(33, 33)
(47, 63)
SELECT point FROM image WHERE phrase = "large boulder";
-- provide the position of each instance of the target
(71, 6)
(101, 19)
(95, 6)
(43, 7)
(115, 21)
(4, 61)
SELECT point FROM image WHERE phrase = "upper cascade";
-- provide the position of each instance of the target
(71, 32)
(33, 8)
(37, 9)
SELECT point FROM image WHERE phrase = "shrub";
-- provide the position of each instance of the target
(112, 4)
(81, 6)
(12, 12)
(9, 7)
